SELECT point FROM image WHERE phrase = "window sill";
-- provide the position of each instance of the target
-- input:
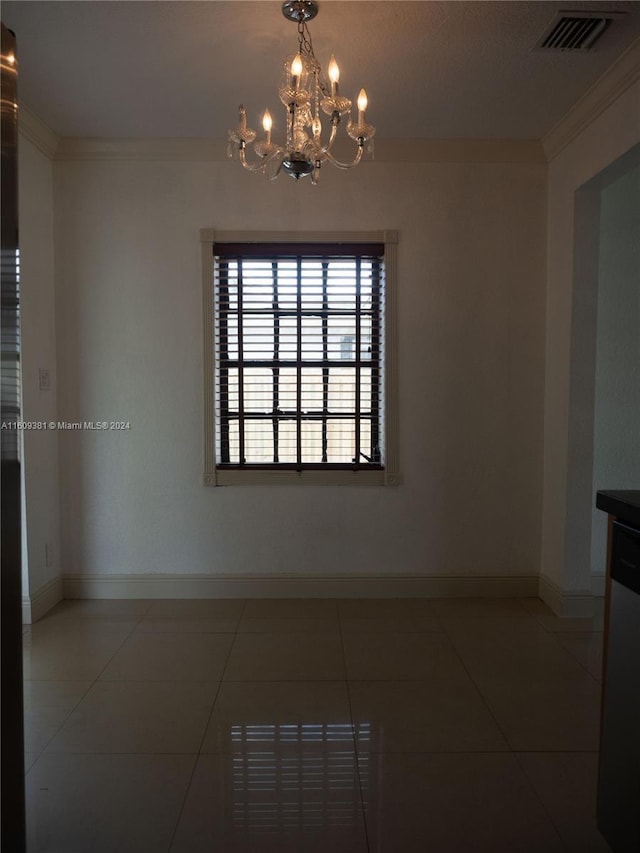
(228, 477)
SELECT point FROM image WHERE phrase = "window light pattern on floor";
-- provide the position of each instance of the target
(299, 789)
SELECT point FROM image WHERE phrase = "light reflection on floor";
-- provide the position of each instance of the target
(304, 788)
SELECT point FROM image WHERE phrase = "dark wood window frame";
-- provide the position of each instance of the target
(374, 463)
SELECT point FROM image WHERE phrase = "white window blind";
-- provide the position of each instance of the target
(11, 386)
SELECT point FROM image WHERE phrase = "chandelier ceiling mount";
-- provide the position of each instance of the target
(300, 10)
(305, 93)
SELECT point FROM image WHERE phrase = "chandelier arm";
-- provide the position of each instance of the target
(334, 132)
(260, 164)
(339, 164)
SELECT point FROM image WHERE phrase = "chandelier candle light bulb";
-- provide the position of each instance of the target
(296, 70)
(267, 123)
(304, 92)
(362, 106)
(334, 75)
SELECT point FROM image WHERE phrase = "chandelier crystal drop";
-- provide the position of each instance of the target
(305, 93)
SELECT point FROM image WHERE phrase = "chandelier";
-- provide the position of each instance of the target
(304, 93)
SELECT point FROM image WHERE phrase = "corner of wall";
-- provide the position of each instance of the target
(580, 604)
(35, 606)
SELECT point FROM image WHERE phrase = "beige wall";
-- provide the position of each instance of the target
(489, 310)
(471, 362)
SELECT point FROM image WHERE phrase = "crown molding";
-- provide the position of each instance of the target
(607, 89)
(386, 150)
(458, 151)
(157, 149)
(37, 132)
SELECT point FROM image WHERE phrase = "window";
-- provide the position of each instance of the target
(297, 373)
(288, 392)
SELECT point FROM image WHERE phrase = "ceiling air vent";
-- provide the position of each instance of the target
(575, 30)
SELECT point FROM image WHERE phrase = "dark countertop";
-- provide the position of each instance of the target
(624, 504)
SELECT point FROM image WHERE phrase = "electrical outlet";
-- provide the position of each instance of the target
(44, 379)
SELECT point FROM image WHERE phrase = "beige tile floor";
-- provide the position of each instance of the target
(356, 726)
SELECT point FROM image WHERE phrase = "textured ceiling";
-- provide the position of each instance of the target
(179, 69)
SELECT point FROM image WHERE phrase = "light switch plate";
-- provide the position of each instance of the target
(44, 379)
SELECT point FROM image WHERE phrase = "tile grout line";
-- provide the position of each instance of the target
(356, 753)
(557, 641)
(204, 731)
(477, 687)
(59, 728)
(511, 751)
(84, 695)
(127, 637)
(539, 799)
(573, 656)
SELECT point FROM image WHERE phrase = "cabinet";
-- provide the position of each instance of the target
(619, 770)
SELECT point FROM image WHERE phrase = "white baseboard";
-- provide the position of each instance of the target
(575, 604)
(287, 586)
(35, 606)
